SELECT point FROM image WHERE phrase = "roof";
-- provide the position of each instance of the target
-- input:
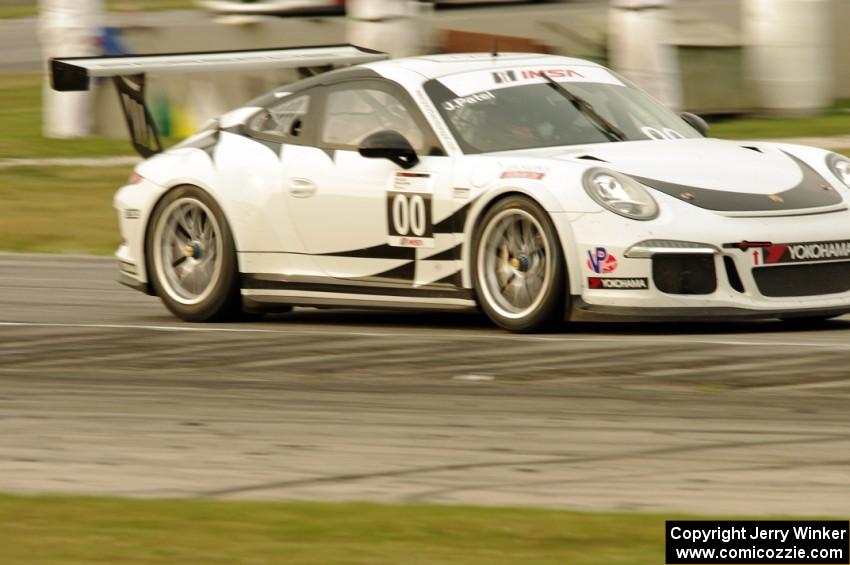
(434, 66)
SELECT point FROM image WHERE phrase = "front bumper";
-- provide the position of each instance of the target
(133, 205)
(128, 271)
(580, 311)
(608, 280)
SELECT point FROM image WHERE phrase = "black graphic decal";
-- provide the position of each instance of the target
(812, 192)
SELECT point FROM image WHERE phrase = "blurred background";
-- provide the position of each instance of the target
(713, 57)
(756, 69)
(620, 423)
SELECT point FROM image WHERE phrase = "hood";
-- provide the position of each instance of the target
(724, 176)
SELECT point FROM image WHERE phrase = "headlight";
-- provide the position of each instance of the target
(620, 194)
(840, 167)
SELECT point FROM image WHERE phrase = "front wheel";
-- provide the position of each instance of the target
(518, 267)
(191, 257)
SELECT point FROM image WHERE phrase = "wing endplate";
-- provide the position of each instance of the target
(143, 133)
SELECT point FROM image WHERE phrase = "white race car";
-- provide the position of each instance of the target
(536, 188)
(269, 7)
(286, 7)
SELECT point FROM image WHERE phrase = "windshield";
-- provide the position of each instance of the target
(512, 109)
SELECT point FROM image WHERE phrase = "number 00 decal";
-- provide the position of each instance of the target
(409, 219)
(409, 215)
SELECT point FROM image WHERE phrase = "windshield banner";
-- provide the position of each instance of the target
(465, 84)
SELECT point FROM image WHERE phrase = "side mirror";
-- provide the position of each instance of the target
(695, 122)
(389, 144)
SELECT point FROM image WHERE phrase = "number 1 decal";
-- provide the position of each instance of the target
(409, 216)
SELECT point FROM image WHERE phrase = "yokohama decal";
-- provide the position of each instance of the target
(780, 253)
(618, 283)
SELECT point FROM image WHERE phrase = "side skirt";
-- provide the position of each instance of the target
(258, 290)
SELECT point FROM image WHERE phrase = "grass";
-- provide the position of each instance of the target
(29, 8)
(827, 125)
(59, 209)
(64, 529)
(833, 122)
(20, 114)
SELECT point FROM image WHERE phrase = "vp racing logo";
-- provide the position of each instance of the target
(600, 261)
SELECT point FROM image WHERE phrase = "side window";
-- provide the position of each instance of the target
(351, 115)
(283, 120)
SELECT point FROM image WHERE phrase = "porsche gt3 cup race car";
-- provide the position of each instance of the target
(536, 188)
(268, 7)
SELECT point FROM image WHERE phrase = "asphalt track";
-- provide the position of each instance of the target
(102, 391)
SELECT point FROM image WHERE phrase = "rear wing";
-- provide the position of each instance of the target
(128, 74)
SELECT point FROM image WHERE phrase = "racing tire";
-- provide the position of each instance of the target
(191, 258)
(518, 267)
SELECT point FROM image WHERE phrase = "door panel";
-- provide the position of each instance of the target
(367, 221)
(285, 126)
(349, 225)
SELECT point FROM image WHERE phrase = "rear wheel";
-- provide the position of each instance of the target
(191, 257)
(518, 266)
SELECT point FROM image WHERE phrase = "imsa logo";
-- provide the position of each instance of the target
(526, 74)
(609, 283)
